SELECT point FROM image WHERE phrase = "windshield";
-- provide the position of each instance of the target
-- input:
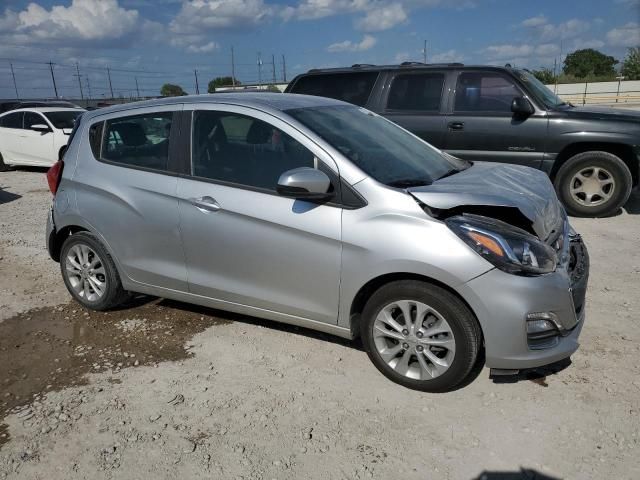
(63, 119)
(378, 147)
(539, 89)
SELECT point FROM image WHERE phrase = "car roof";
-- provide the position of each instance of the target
(260, 101)
(45, 109)
(410, 66)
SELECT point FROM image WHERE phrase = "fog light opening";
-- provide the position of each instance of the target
(542, 330)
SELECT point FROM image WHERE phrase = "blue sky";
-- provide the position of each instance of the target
(158, 41)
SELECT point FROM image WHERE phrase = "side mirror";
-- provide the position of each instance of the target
(522, 106)
(40, 127)
(305, 183)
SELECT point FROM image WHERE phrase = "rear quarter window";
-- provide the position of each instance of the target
(353, 87)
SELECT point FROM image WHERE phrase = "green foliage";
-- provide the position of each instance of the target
(588, 61)
(221, 82)
(545, 75)
(170, 90)
(631, 64)
(273, 88)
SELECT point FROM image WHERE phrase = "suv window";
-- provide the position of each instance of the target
(416, 92)
(12, 120)
(235, 148)
(484, 92)
(350, 87)
(32, 118)
(138, 140)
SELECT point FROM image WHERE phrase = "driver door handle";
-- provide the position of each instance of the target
(456, 125)
(205, 204)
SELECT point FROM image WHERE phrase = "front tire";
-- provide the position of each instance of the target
(421, 336)
(593, 184)
(89, 273)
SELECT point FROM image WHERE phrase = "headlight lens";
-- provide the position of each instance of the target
(508, 248)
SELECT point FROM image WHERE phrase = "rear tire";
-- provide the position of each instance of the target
(3, 166)
(90, 274)
(593, 184)
(435, 351)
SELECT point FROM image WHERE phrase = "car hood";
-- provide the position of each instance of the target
(602, 113)
(498, 185)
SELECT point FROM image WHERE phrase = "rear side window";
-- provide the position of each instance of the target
(418, 92)
(349, 87)
(12, 120)
(138, 141)
(484, 92)
(95, 138)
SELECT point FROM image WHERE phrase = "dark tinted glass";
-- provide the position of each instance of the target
(140, 141)
(12, 120)
(31, 118)
(239, 149)
(484, 92)
(95, 138)
(419, 92)
(63, 119)
(350, 87)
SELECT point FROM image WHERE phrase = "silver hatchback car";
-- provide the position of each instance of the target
(318, 213)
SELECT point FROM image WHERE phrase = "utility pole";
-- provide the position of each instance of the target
(137, 87)
(88, 86)
(273, 66)
(15, 85)
(55, 88)
(284, 70)
(195, 72)
(233, 69)
(110, 86)
(79, 80)
(259, 69)
(424, 52)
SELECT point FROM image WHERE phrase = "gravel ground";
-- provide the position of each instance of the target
(165, 390)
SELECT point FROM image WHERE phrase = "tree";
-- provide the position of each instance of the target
(170, 90)
(631, 64)
(221, 82)
(588, 61)
(545, 75)
(273, 88)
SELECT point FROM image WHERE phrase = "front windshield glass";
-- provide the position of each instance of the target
(378, 147)
(539, 89)
(63, 118)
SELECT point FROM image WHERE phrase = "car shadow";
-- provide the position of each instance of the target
(536, 375)
(523, 474)
(6, 197)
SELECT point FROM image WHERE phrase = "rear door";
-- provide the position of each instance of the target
(481, 125)
(417, 101)
(11, 126)
(37, 147)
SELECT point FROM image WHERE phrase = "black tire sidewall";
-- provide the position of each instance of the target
(113, 293)
(465, 329)
(608, 161)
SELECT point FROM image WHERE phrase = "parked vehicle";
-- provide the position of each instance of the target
(7, 105)
(35, 136)
(318, 213)
(500, 114)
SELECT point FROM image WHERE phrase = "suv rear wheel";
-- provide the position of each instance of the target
(593, 184)
(421, 336)
(89, 273)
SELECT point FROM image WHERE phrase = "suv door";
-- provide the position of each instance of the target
(416, 101)
(245, 244)
(482, 126)
(11, 126)
(38, 147)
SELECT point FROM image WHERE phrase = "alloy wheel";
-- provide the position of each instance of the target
(592, 186)
(85, 272)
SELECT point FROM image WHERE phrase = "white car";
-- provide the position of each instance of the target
(35, 136)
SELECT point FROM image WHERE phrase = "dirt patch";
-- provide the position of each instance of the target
(52, 348)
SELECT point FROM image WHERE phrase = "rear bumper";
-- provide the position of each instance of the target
(502, 302)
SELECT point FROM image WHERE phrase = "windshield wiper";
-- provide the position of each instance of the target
(409, 182)
(448, 173)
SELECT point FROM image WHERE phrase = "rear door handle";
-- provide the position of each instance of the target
(205, 203)
(456, 125)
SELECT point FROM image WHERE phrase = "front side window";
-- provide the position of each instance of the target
(484, 92)
(31, 119)
(63, 118)
(139, 140)
(349, 87)
(12, 120)
(419, 92)
(243, 150)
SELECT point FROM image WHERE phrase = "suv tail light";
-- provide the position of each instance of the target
(54, 175)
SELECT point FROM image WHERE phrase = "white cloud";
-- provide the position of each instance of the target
(198, 16)
(499, 52)
(446, 57)
(546, 31)
(382, 18)
(401, 57)
(627, 35)
(594, 43)
(535, 21)
(209, 47)
(547, 50)
(348, 46)
(314, 9)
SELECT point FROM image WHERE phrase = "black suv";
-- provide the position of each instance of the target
(499, 114)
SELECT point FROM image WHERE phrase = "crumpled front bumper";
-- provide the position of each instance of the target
(502, 301)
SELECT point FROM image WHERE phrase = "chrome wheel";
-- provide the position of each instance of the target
(592, 186)
(414, 339)
(85, 272)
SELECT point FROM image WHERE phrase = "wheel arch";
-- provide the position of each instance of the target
(623, 151)
(57, 239)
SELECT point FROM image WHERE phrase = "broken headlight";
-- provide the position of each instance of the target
(511, 249)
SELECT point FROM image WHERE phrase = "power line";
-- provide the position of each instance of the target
(79, 81)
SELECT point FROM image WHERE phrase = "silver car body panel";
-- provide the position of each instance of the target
(298, 262)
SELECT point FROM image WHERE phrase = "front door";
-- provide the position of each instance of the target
(243, 242)
(482, 126)
(38, 147)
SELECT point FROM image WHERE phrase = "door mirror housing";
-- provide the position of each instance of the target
(305, 183)
(40, 127)
(522, 106)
